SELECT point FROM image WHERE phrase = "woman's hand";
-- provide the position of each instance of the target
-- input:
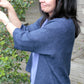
(11, 13)
(3, 18)
(5, 4)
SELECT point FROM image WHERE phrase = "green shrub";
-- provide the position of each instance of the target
(10, 59)
(20, 6)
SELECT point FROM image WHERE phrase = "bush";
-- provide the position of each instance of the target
(10, 59)
(20, 6)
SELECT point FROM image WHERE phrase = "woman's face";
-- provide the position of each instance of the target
(48, 6)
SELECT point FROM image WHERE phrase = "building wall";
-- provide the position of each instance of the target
(80, 13)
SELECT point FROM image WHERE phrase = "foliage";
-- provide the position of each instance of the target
(20, 6)
(10, 61)
(10, 58)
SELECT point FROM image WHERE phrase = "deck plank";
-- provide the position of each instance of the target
(77, 71)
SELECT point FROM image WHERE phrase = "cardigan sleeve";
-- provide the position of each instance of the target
(29, 27)
(47, 40)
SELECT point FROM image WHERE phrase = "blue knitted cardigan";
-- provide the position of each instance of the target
(54, 44)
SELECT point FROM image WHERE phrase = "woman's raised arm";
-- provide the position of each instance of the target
(11, 13)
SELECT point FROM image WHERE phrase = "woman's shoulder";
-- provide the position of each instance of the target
(62, 22)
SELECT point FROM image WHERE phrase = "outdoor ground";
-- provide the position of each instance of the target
(77, 63)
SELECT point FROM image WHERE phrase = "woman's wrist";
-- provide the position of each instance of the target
(9, 7)
(5, 22)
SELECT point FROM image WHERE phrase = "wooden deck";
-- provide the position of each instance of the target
(77, 63)
(77, 71)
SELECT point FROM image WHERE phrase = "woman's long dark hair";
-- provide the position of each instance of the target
(64, 8)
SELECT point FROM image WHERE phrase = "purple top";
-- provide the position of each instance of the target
(35, 59)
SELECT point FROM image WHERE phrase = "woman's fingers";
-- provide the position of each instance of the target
(4, 3)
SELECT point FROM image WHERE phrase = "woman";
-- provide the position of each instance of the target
(50, 39)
